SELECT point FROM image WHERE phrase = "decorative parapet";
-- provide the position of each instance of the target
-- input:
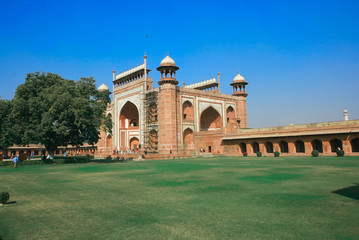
(130, 75)
(204, 85)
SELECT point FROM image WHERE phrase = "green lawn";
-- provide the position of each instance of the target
(202, 198)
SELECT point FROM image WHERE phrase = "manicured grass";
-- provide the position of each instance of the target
(203, 198)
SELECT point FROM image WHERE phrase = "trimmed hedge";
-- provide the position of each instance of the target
(259, 154)
(4, 197)
(340, 153)
(66, 160)
(315, 153)
(276, 154)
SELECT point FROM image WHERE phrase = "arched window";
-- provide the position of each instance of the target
(269, 147)
(317, 145)
(355, 144)
(243, 147)
(255, 147)
(336, 144)
(187, 110)
(211, 120)
(230, 113)
(188, 138)
(299, 146)
(129, 116)
(283, 147)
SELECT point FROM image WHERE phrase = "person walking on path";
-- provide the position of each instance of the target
(16, 159)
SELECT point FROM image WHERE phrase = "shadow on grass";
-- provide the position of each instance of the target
(9, 203)
(350, 192)
(110, 160)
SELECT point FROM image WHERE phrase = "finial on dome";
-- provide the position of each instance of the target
(103, 87)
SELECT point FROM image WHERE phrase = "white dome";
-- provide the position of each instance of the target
(238, 78)
(168, 61)
(103, 87)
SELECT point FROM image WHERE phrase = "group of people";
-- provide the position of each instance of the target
(128, 151)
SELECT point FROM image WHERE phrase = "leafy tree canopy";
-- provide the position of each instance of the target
(54, 111)
(5, 107)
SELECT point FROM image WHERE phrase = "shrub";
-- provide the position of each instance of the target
(340, 153)
(245, 154)
(276, 154)
(315, 153)
(4, 197)
(259, 154)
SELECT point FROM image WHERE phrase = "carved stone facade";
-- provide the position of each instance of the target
(170, 118)
(198, 119)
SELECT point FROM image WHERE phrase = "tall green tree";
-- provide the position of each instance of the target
(5, 108)
(50, 110)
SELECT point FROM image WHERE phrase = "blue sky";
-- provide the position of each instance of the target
(300, 58)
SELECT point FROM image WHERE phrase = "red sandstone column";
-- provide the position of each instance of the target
(167, 119)
(291, 148)
(326, 147)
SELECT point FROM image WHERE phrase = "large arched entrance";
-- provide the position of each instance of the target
(129, 126)
(188, 139)
(211, 120)
(129, 116)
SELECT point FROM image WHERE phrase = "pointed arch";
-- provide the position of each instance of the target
(336, 144)
(269, 147)
(230, 114)
(255, 147)
(129, 116)
(317, 145)
(243, 147)
(283, 147)
(299, 146)
(109, 141)
(188, 138)
(188, 112)
(211, 120)
(355, 144)
(134, 143)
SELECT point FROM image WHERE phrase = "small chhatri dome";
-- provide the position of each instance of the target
(167, 61)
(238, 78)
(103, 87)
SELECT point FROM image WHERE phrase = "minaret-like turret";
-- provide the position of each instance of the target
(167, 107)
(168, 70)
(239, 90)
(239, 86)
(346, 115)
